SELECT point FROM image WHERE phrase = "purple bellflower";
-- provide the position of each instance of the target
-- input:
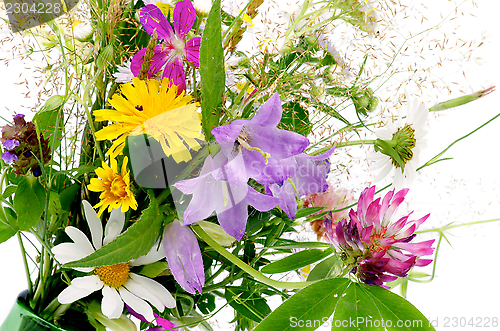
(377, 250)
(220, 187)
(261, 143)
(184, 257)
(174, 46)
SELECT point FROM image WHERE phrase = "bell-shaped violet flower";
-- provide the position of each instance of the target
(307, 174)
(220, 187)
(261, 143)
(174, 47)
(184, 257)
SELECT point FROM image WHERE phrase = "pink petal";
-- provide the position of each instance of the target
(152, 19)
(418, 249)
(192, 51)
(174, 71)
(184, 17)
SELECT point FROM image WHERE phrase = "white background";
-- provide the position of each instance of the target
(462, 190)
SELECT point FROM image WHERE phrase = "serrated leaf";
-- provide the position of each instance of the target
(315, 302)
(135, 242)
(296, 261)
(250, 305)
(212, 70)
(328, 268)
(29, 202)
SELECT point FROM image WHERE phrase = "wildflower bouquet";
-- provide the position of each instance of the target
(170, 169)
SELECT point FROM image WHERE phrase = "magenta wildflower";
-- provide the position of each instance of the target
(160, 323)
(174, 46)
(376, 250)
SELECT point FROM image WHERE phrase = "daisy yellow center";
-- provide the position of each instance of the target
(113, 275)
(404, 142)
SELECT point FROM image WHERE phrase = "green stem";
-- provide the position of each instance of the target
(435, 158)
(25, 262)
(356, 142)
(449, 226)
(245, 267)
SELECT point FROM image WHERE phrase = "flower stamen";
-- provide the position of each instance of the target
(113, 275)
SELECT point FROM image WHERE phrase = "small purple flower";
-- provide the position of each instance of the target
(10, 144)
(222, 188)
(9, 157)
(372, 246)
(174, 47)
(307, 174)
(184, 257)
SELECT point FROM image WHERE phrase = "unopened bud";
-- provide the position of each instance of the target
(461, 100)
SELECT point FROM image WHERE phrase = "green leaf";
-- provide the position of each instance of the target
(29, 202)
(212, 70)
(307, 309)
(296, 261)
(133, 243)
(307, 211)
(6, 229)
(46, 119)
(68, 195)
(382, 305)
(306, 244)
(153, 270)
(296, 118)
(328, 268)
(9, 190)
(248, 304)
(355, 310)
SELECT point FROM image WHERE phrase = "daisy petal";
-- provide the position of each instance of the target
(156, 288)
(137, 304)
(140, 291)
(155, 254)
(112, 304)
(73, 293)
(114, 226)
(80, 239)
(94, 223)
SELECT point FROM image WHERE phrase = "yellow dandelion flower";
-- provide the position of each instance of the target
(154, 108)
(115, 188)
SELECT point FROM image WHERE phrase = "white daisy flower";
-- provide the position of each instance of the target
(124, 74)
(117, 283)
(407, 138)
(82, 30)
